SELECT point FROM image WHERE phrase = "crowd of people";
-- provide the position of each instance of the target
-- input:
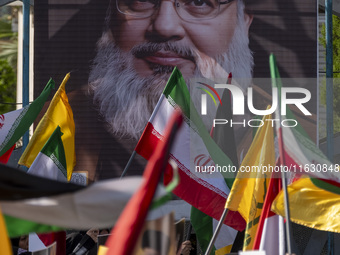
(86, 243)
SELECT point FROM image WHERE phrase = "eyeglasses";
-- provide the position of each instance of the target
(187, 9)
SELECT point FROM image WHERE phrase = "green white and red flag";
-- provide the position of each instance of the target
(193, 150)
(13, 125)
(51, 160)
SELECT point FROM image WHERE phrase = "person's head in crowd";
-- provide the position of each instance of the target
(20, 244)
(154, 242)
(104, 231)
(23, 242)
(143, 42)
(94, 232)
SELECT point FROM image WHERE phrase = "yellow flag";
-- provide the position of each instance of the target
(102, 250)
(5, 244)
(224, 250)
(250, 186)
(311, 206)
(58, 113)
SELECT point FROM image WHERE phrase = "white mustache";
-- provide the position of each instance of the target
(149, 48)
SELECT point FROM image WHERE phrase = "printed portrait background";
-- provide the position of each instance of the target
(65, 36)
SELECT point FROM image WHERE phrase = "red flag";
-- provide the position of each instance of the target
(129, 225)
(59, 237)
(5, 157)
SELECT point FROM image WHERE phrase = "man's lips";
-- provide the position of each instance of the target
(165, 58)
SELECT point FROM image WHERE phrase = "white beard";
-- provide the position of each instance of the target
(127, 100)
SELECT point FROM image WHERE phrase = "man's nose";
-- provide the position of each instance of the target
(166, 24)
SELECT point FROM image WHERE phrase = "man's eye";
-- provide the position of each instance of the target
(140, 5)
(199, 3)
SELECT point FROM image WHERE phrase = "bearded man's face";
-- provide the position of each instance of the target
(137, 55)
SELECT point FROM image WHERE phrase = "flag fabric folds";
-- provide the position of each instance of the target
(270, 232)
(205, 227)
(98, 204)
(313, 201)
(250, 186)
(57, 239)
(51, 161)
(5, 157)
(16, 184)
(223, 135)
(311, 205)
(193, 148)
(299, 150)
(50, 250)
(13, 125)
(130, 223)
(58, 113)
(5, 244)
(18, 227)
(203, 224)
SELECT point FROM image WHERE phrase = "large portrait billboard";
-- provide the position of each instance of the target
(121, 53)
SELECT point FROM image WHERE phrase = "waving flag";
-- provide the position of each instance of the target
(270, 232)
(59, 113)
(129, 226)
(13, 125)
(205, 227)
(5, 157)
(51, 161)
(299, 150)
(16, 184)
(98, 204)
(313, 200)
(203, 224)
(311, 206)
(5, 244)
(206, 191)
(250, 187)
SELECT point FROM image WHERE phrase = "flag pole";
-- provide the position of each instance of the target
(150, 120)
(189, 232)
(275, 76)
(224, 214)
(217, 230)
(329, 96)
(286, 203)
(25, 61)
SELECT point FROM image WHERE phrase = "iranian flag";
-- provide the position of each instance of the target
(298, 151)
(51, 160)
(129, 226)
(5, 157)
(314, 199)
(194, 151)
(13, 125)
